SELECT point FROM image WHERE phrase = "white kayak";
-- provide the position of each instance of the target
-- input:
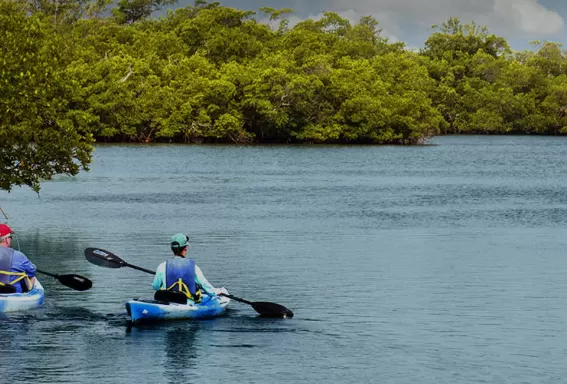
(12, 302)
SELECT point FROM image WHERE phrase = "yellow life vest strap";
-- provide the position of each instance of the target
(21, 276)
(182, 287)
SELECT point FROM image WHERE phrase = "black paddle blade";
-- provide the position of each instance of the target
(266, 309)
(78, 283)
(7, 288)
(104, 258)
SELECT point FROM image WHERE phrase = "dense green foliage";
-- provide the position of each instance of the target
(73, 72)
(42, 132)
(484, 87)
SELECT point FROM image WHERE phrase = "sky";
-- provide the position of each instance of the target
(410, 21)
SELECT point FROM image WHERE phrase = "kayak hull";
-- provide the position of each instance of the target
(141, 310)
(13, 302)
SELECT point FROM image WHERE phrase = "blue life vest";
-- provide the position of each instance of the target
(5, 264)
(180, 276)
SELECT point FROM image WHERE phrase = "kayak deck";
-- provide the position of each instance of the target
(12, 302)
(143, 310)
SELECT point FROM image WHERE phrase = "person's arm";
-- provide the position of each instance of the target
(203, 282)
(23, 264)
(31, 271)
(30, 268)
(159, 278)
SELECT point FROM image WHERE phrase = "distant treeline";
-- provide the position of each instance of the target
(209, 73)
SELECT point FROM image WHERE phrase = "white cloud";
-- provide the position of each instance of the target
(529, 16)
(506, 17)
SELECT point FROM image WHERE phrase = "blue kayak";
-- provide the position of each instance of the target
(12, 302)
(141, 310)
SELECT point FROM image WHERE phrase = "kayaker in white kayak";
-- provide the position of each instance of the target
(15, 268)
(182, 274)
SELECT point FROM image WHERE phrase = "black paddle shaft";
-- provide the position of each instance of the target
(139, 268)
(237, 298)
(48, 274)
(264, 308)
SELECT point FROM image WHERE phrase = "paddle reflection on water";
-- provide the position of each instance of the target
(179, 341)
(181, 354)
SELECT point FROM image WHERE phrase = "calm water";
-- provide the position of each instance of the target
(437, 264)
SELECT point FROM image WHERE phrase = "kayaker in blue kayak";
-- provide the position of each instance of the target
(182, 274)
(15, 268)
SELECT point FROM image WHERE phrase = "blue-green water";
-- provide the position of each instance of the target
(436, 264)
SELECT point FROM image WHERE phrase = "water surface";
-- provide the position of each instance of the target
(434, 264)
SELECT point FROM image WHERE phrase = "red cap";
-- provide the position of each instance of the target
(5, 230)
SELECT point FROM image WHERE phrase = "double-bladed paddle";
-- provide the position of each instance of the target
(107, 259)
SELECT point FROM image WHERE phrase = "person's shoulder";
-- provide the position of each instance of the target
(19, 254)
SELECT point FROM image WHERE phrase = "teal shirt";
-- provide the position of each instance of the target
(159, 280)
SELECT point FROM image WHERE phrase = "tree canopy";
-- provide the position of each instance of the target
(42, 133)
(78, 71)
